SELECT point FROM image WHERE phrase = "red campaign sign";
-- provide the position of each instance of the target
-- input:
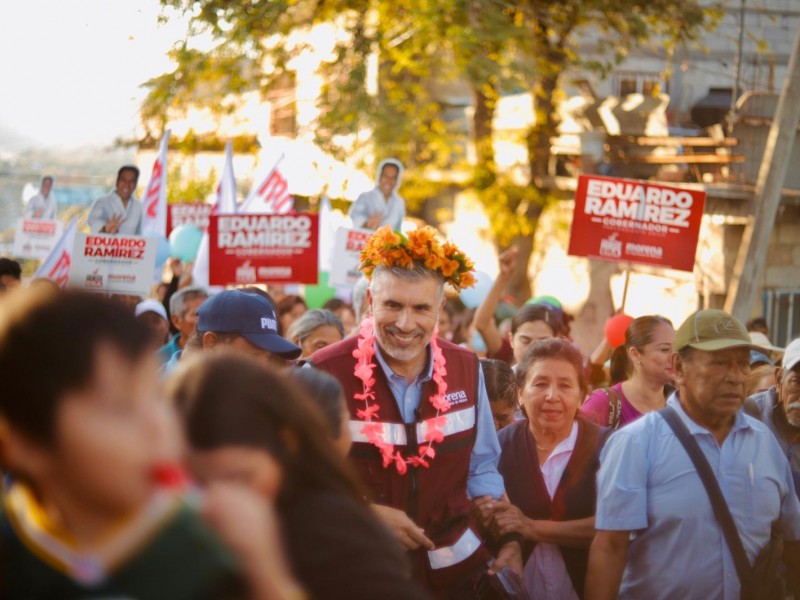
(185, 213)
(251, 248)
(626, 220)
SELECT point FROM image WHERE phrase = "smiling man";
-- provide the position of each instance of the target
(382, 205)
(424, 439)
(119, 212)
(657, 536)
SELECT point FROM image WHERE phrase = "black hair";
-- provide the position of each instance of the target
(287, 303)
(501, 384)
(47, 178)
(132, 168)
(326, 392)
(757, 324)
(537, 312)
(552, 348)
(231, 400)
(49, 340)
(10, 267)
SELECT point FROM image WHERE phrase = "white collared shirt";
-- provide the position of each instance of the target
(546, 575)
(108, 207)
(45, 207)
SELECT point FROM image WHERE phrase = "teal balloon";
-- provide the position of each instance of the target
(162, 252)
(317, 295)
(551, 300)
(472, 297)
(184, 242)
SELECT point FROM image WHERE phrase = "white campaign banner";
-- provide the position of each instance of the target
(115, 264)
(347, 246)
(35, 238)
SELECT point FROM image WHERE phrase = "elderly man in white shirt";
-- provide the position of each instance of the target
(119, 212)
(43, 204)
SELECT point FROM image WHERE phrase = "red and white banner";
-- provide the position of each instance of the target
(57, 265)
(271, 196)
(154, 219)
(252, 248)
(226, 204)
(35, 238)
(117, 264)
(347, 246)
(184, 213)
(626, 220)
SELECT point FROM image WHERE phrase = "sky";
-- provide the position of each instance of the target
(71, 71)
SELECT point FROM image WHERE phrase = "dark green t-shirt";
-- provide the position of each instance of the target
(182, 560)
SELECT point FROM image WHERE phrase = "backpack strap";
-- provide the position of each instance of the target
(614, 407)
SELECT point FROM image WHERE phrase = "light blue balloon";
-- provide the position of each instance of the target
(472, 297)
(184, 242)
(162, 252)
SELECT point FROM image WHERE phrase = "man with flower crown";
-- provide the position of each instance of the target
(424, 442)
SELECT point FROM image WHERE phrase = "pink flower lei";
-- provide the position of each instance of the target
(365, 364)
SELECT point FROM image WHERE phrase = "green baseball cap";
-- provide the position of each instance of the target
(712, 330)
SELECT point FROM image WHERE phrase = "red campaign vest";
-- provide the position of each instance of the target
(434, 497)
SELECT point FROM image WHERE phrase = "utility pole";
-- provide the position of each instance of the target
(767, 194)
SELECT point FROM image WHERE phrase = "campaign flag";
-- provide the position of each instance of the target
(57, 265)
(154, 219)
(271, 196)
(626, 220)
(226, 204)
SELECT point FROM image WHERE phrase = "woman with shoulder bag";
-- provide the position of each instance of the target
(647, 352)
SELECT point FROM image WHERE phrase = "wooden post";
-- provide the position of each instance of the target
(625, 289)
(749, 266)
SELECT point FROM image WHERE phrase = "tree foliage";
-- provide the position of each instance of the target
(430, 53)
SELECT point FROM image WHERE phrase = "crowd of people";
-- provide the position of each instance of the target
(241, 445)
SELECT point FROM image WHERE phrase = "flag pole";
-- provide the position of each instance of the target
(625, 288)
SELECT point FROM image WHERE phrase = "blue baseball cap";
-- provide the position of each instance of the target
(250, 315)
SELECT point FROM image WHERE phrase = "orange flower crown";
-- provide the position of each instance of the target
(389, 248)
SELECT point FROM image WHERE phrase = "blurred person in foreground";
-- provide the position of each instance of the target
(251, 424)
(646, 358)
(779, 407)
(314, 330)
(87, 446)
(43, 204)
(119, 212)
(549, 462)
(424, 442)
(657, 534)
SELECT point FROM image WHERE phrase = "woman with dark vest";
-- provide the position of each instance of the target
(549, 463)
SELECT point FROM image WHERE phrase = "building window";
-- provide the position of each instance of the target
(283, 105)
(638, 82)
(782, 312)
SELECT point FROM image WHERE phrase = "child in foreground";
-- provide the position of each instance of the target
(84, 440)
